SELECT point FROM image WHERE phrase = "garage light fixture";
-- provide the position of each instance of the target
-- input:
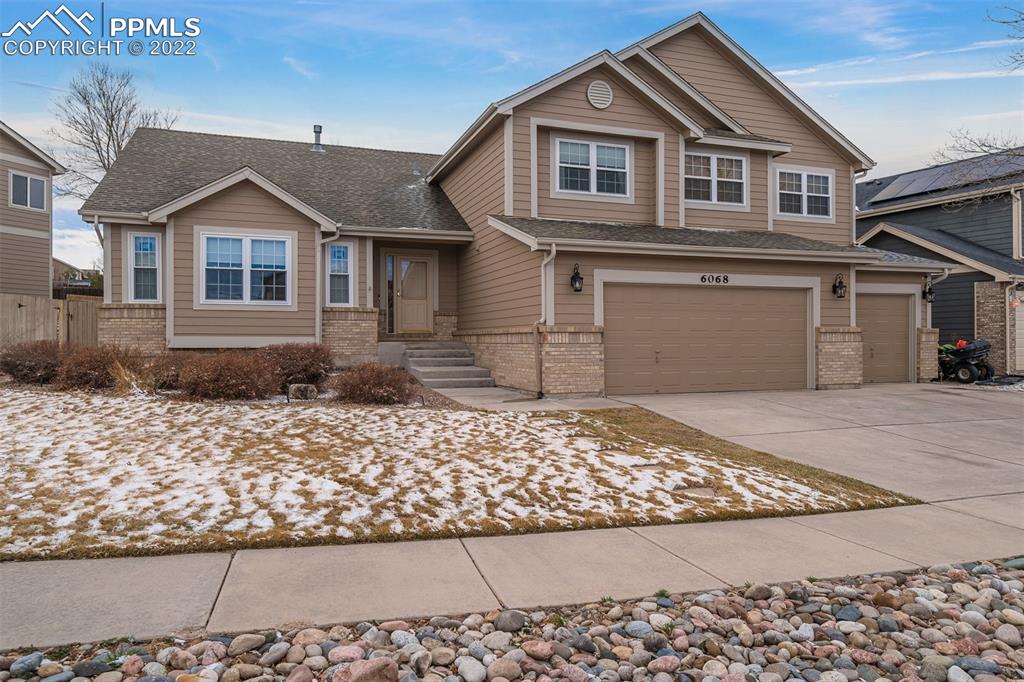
(839, 287)
(929, 293)
(576, 281)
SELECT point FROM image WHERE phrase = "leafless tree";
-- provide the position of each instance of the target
(1013, 20)
(96, 118)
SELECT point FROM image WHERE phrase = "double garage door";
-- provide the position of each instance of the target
(680, 339)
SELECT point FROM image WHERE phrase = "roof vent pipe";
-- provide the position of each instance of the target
(317, 129)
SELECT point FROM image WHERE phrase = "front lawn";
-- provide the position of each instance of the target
(94, 474)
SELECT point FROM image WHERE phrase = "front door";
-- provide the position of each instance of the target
(413, 294)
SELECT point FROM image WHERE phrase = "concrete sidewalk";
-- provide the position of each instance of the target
(48, 603)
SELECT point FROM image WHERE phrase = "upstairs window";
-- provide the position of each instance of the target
(714, 179)
(28, 191)
(339, 275)
(144, 268)
(246, 269)
(803, 193)
(593, 168)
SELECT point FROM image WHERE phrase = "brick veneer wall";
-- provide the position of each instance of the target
(573, 357)
(445, 325)
(839, 353)
(136, 325)
(990, 306)
(351, 334)
(927, 354)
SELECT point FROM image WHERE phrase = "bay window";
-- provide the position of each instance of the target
(143, 268)
(592, 167)
(246, 269)
(804, 193)
(713, 178)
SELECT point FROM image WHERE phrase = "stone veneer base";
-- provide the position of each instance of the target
(351, 334)
(136, 325)
(839, 356)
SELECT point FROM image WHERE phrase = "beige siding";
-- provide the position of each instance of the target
(113, 280)
(756, 218)
(499, 277)
(568, 102)
(573, 308)
(672, 93)
(248, 207)
(24, 265)
(21, 218)
(730, 86)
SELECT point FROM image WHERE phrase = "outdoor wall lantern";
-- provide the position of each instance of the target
(839, 287)
(576, 281)
(929, 293)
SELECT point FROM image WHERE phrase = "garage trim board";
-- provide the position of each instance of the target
(914, 292)
(811, 284)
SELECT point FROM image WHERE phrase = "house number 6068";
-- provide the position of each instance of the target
(714, 279)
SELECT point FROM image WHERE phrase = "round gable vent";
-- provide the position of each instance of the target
(599, 94)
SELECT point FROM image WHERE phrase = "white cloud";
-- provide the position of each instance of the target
(909, 78)
(1016, 114)
(300, 67)
(76, 245)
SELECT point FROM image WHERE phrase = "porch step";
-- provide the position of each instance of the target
(466, 361)
(482, 382)
(445, 364)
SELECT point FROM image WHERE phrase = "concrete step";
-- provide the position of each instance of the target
(441, 362)
(479, 382)
(434, 345)
(449, 372)
(438, 353)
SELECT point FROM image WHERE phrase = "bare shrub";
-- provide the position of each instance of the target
(31, 362)
(374, 383)
(301, 363)
(230, 375)
(92, 367)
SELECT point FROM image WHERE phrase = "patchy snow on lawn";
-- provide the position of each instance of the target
(97, 474)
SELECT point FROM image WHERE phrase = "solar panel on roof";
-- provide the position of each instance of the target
(963, 172)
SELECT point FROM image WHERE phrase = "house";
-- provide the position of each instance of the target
(666, 218)
(967, 213)
(66, 274)
(26, 215)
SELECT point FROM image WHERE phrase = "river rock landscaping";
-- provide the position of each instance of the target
(97, 474)
(960, 623)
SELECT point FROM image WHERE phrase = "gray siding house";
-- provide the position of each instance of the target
(966, 213)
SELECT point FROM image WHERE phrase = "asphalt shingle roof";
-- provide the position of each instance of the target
(350, 185)
(548, 229)
(962, 246)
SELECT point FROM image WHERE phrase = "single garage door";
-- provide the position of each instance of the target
(885, 321)
(681, 339)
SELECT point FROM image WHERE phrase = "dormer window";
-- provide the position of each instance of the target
(593, 168)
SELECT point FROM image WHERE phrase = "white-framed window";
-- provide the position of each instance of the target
(245, 269)
(27, 191)
(807, 193)
(143, 267)
(715, 179)
(586, 167)
(340, 279)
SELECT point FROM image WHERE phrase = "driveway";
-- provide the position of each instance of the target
(939, 444)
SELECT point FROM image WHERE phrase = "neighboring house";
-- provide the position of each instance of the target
(968, 213)
(667, 218)
(66, 274)
(26, 215)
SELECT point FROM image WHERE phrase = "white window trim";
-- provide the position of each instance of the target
(46, 191)
(804, 171)
(352, 261)
(593, 194)
(246, 236)
(714, 204)
(131, 268)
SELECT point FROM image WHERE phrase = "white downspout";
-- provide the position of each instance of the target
(543, 318)
(320, 281)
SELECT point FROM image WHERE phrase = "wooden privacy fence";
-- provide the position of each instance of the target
(34, 318)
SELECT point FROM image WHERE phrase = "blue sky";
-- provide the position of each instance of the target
(896, 77)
